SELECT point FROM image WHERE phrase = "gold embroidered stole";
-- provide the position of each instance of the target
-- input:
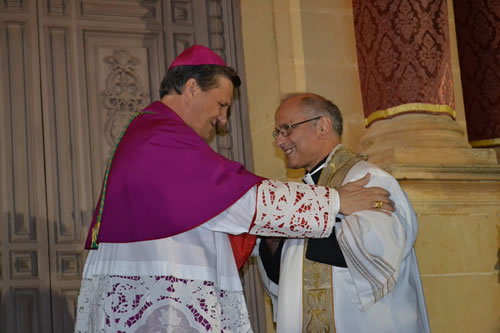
(317, 287)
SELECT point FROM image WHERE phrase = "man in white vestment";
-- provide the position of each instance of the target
(175, 220)
(365, 276)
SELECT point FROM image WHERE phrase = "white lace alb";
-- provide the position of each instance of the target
(147, 304)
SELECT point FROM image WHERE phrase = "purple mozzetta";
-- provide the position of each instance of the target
(165, 180)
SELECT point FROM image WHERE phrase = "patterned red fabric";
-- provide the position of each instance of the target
(403, 53)
(478, 37)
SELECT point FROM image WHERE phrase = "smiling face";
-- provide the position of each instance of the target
(303, 146)
(209, 108)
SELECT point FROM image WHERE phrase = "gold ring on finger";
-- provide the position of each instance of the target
(378, 204)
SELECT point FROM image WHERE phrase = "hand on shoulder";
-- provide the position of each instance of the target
(354, 197)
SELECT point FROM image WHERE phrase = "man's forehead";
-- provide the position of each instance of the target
(287, 112)
(224, 90)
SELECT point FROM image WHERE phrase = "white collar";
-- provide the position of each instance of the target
(308, 176)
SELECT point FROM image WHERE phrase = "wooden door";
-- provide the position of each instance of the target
(100, 61)
(24, 259)
(72, 73)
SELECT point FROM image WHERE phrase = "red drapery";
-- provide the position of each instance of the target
(404, 57)
(478, 37)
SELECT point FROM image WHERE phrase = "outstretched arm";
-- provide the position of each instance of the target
(289, 209)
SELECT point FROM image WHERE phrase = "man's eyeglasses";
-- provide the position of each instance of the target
(286, 130)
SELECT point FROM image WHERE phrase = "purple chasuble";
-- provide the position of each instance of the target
(165, 180)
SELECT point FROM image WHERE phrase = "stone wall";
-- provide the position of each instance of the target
(309, 45)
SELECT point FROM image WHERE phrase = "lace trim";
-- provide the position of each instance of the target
(293, 210)
(158, 304)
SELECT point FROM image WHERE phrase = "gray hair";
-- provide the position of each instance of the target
(317, 105)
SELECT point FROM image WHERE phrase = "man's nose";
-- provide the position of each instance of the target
(280, 140)
(222, 118)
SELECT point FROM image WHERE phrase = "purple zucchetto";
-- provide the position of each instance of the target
(197, 55)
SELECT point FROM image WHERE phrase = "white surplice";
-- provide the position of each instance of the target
(189, 282)
(380, 290)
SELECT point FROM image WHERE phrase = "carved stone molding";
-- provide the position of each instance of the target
(124, 93)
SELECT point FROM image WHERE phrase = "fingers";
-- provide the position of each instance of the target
(362, 181)
(355, 197)
(386, 206)
(378, 191)
(383, 203)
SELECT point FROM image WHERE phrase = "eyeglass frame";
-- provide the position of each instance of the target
(289, 128)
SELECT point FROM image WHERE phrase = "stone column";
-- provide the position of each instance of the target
(403, 50)
(416, 131)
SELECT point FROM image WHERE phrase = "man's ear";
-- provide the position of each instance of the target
(324, 126)
(190, 88)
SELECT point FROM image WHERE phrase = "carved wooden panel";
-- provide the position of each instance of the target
(64, 297)
(98, 60)
(124, 76)
(98, 68)
(65, 301)
(12, 4)
(23, 221)
(22, 198)
(27, 310)
(61, 141)
(58, 7)
(181, 12)
(23, 265)
(69, 265)
(19, 213)
(185, 25)
(225, 39)
(121, 11)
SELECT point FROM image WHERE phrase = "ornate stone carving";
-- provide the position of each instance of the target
(124, 93)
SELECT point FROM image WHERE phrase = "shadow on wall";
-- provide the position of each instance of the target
(29, 310)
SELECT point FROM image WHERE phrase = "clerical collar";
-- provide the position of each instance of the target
(312, 177)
